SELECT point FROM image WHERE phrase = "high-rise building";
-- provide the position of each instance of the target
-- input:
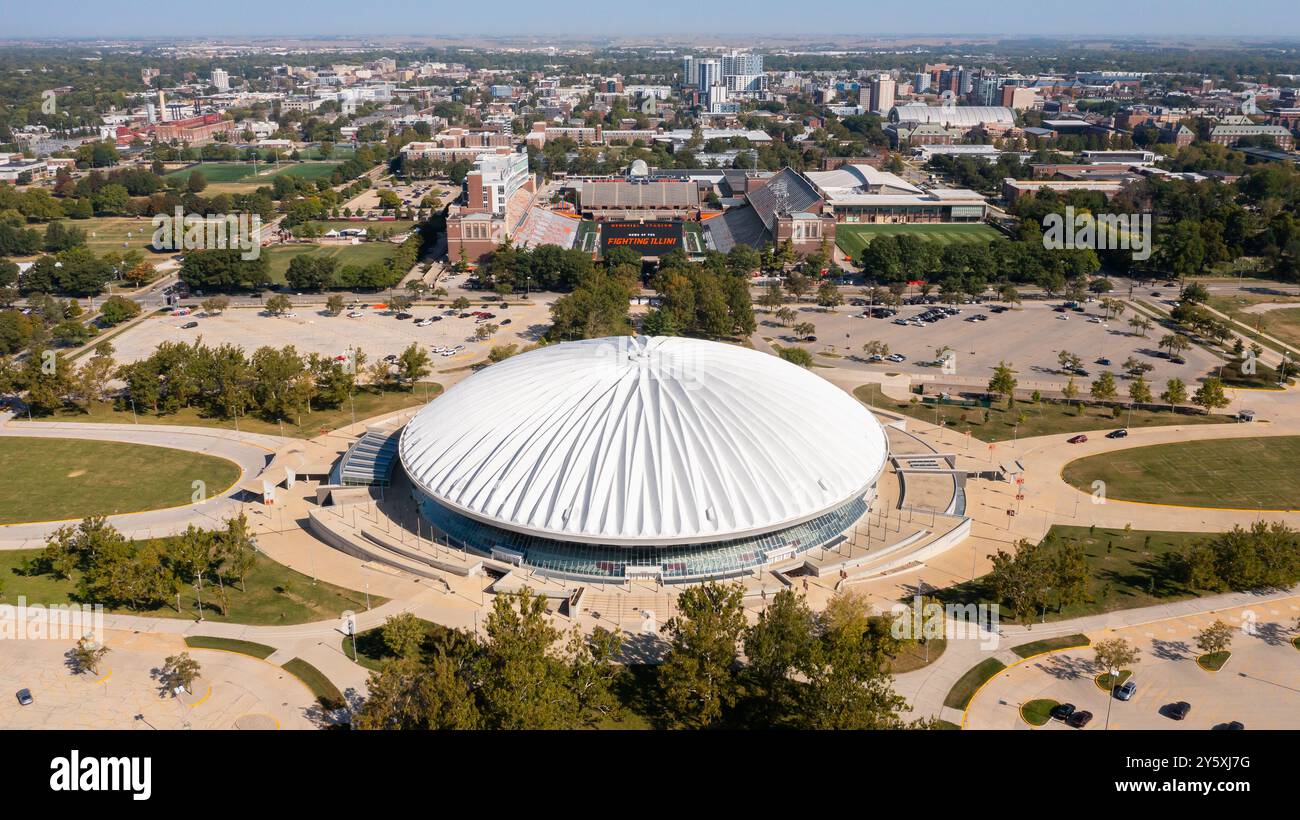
(986, 90)
(742, 63)
(920, 82)
(708, 72)
(221, 79)
(882, 93)
(689, 74)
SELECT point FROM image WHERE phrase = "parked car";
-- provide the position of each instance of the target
(189, 325)
(1126, 690)
(403, 315)
(424, 322)
(1120, 433)
(356, 314)
(1078, 719)
(505, 321)
(24, 697)
(1079, 439)
(1179, 710)
(1235, 725)
(1062, 711)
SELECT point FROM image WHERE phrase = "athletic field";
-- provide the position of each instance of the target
(241, 174)
(1239, 473)
(361, 255)
(851, 239)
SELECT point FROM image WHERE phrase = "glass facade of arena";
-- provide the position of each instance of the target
(677, 563)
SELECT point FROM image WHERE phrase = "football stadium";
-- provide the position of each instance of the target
(662, 458)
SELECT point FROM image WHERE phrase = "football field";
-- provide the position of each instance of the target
(851, 239)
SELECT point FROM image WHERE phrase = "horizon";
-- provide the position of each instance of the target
(1111, 19)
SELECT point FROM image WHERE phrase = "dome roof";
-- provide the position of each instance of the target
(643, 441)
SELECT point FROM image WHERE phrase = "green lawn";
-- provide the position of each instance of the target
(394, 226)
(273, 594)
(1213, 661)
(368, 403)
(372, 653)
(71, 478)
(968, 684)
(117, 233)
(1214, 473)
(226, 172)
(325, 691)
(257, 650)
(361, 255)
(1106, 684)
(1125, 571)
(1027, 650)
(851, 239)
(1038, 712)
(1044, 419)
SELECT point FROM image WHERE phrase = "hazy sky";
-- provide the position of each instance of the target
(89, 18)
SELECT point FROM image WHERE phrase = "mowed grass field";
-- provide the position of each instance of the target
(116, 233)
(239, 176)
(851, 239)
(49, 479)
(362, 254)
(1242, 473)
(1281, 322)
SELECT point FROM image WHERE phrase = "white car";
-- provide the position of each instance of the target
(1096, 320)
(424, 323)
(356, 314)
(1063, 318)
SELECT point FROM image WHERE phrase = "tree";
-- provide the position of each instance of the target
(1103, 388)
(1070, 391)
(1216, 637)
(1175, 393)
(1210, 395)
(1071, 571)
(180, 670)
(87, 655)
(777, 648)
(413, 364)
(278, 304)
(523, 681)
(696, 676)
(828, 296)
(848, 682)
(1139, 391)
(1021, 580)
(804, 329)
(214, 305)
(1175, 343)
(786, 316)
(875, 348)
(1115, 654)
(1003, 382)
(334, 304)
(1140, 325)
(403, 633)
(796, 355)
(406, 694)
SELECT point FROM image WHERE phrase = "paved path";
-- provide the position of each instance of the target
(250, 451)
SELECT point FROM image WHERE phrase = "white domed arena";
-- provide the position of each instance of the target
(643, 457)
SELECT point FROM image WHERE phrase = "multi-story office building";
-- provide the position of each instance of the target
(882, 93)
(221, 79)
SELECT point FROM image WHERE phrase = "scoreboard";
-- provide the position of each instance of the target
(646, 238)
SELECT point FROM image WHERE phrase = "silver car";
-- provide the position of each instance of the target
(1125, 690)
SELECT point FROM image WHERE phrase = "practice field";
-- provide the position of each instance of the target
(115, 233)
(246, 172)
(51, 479)
(1240, 473)
(361, 254)
(851, 239)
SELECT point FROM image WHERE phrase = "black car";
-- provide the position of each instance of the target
(1103, 361)
(1179, 710)
(1062, 711)
(505, 321)
(1078, 719)
(1120, 433)
(403, 315)
(189, 325)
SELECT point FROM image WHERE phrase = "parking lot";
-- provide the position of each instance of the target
(411, 193)
(1029, 337)
(1259, 686)
(376, 331)
(233, 691)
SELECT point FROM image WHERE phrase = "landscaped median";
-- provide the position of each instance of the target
(325, 691)
(1029, 650)
(1038, 712)
(1213, 661)
(257, 650)
(959, 696)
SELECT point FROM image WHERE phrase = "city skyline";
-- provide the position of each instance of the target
(944, 18)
